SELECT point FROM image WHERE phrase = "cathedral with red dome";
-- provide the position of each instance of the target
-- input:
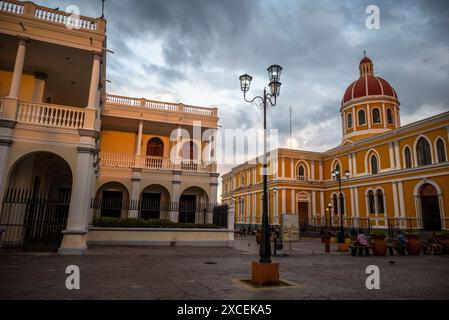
(369, 106)
(392, 176)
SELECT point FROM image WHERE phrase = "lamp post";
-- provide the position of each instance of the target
(268, 100)
(337, 177)
(328, 209)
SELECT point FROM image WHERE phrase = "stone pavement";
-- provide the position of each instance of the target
(210, 273)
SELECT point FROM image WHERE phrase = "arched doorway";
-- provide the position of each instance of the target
(194, 206)
(36, 204)
(112, 200)
(155, 203)
(430, 208)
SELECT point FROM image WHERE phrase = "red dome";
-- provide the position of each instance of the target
(365, 60)
(368, 86)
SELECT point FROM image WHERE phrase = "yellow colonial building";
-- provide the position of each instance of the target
(70, 151)
(391, 175)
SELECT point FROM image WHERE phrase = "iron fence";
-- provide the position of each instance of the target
(33, 221)
(186, 212)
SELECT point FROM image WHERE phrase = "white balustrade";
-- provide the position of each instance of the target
(50, 115)
(159, 105)
(1, 106)
(12, 6)
(48, 14)
(149, 162)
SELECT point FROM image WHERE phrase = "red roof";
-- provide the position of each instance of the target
(365, 59)
(368, 86)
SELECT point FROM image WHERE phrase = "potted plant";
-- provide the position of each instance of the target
(443, 239)
(413, 243)
(378, 243)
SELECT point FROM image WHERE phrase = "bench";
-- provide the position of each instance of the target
(360, 249)
(393, 245)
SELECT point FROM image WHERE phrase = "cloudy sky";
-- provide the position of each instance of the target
(194, 50)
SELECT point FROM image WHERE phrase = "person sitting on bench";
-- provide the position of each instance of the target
(362, 240)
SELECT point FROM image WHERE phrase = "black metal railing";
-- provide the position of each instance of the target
(33, 220)
(187, 211)
(368, 224)
(220, 216)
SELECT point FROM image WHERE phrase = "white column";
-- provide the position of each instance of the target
(351, 194)
(18, 69)
(354, 165)
(395, 199)
(313, 170)
(139, 139)
(368, 116)
(292, 168)
(293, 204)
(321, 170)
(314, 204)
(5, 147)
(350, 162)
(396, 154)
(135, 192)
(283, 168)
(283, 200)
(94, 82)
(322, 209)
(401, 200)
(356, 202)
(384, 115)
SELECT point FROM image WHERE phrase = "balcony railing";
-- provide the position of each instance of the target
(149, 162)
(158, 105)
(50, 15)
(51, 115)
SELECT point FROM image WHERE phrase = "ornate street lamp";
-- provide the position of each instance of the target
(268, 100)
(337, 177)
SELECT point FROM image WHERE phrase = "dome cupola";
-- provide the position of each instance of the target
(370, 105)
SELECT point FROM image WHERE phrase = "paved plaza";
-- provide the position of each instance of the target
(212, 273)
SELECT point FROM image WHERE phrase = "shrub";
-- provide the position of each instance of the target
(111, 222)
(442, 234)
(379, 233)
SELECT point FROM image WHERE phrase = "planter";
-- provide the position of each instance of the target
(413, 244)
(379, 246)
(258, 236)
(444, 242)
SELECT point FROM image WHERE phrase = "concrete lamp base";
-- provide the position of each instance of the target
(265, 273)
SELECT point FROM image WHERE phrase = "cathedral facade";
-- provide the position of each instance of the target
(382, 175)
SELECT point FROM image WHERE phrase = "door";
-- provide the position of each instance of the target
(303, 213)
(150, 206)
(187, 208)
(430, 208)
(111, 205)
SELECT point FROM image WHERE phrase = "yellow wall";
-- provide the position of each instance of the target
(26, 85)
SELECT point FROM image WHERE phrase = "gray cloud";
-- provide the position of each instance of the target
(194, 51)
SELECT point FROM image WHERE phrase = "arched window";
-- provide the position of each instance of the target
(371, 205)
(155, 147)
(441, 152)
(423, 153)
(380, 201)
(408, 157)
(337, 167)
(335, 203)
(374, 164)
(389, 116)
(376, 115)
(301, 172)
(349, 120)
(361, 116)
